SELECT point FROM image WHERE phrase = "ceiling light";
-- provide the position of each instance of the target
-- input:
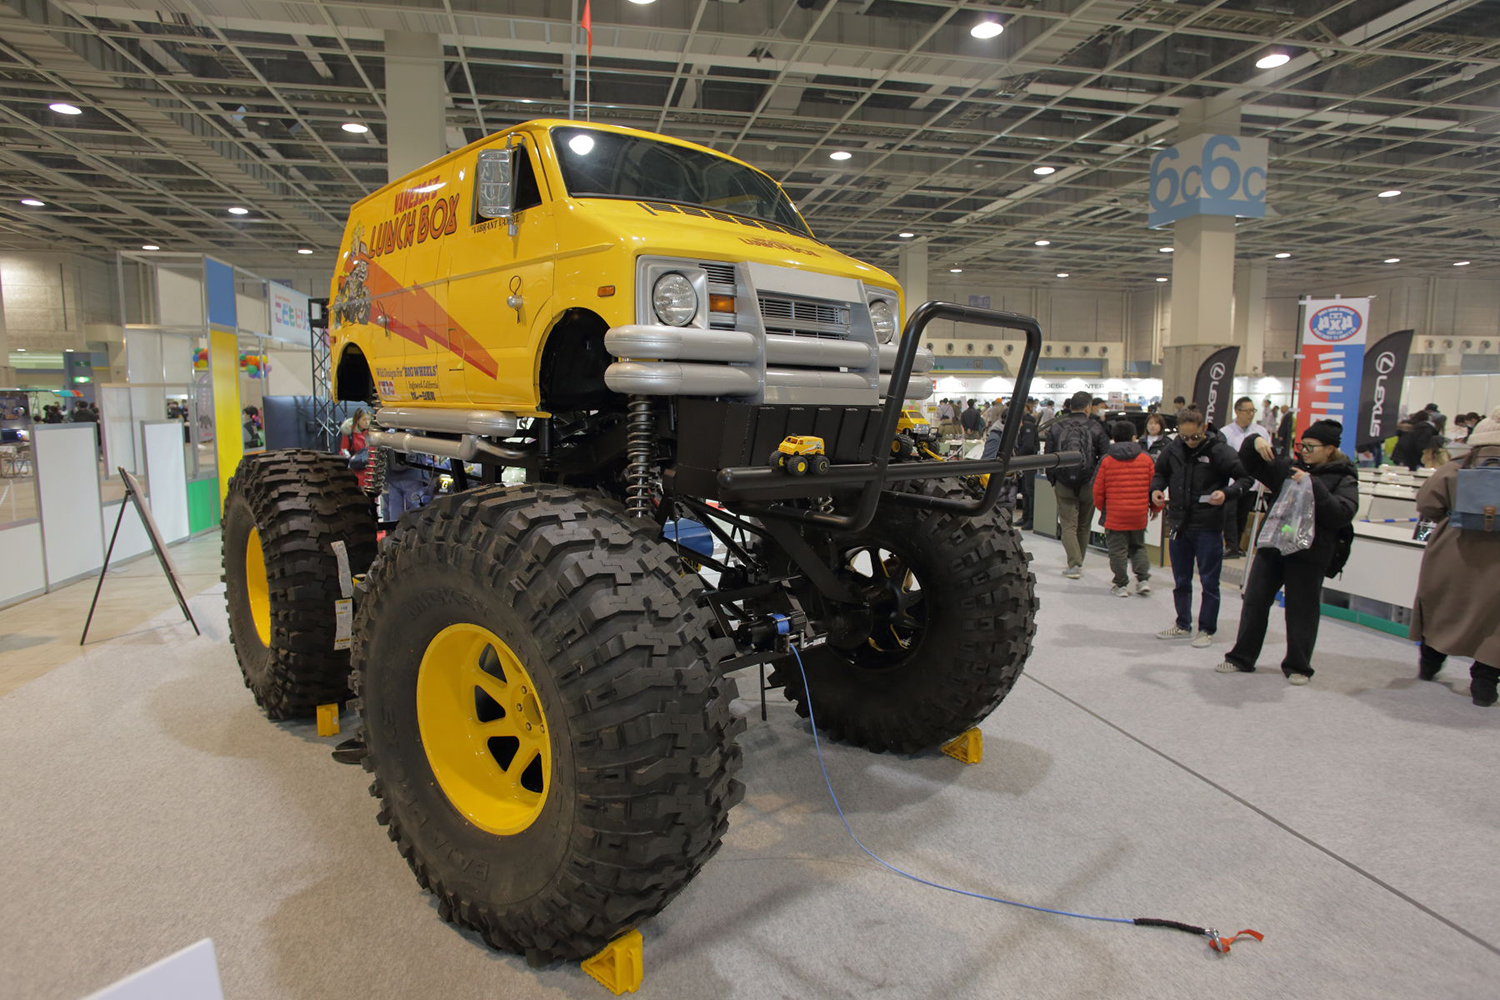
(1392, 193)
(1165, 249)
(1161, 279)
(1393, 260)
(955, 270)
(1282, 256)
(1272, 60)
(987, 29)
(34, 203)
(1043, 171)
(21, 349)
(149, 246)
(1042, 243)
(358, 128)
(65, 109)
(1062, 274)
(642, 2)
(237, 210)
(525, 100)
(1461, 263)
(303, 250)
(906, 236)
(840, 154)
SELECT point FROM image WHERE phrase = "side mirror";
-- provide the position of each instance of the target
(493, 184)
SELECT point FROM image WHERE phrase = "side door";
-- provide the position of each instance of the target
(500, 285)
(425, 218)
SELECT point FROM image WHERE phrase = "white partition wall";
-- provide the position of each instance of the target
(166, 474)
(67, 473)
(132, 539)
(21, 555)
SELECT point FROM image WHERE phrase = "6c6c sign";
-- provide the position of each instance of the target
(1209, 175)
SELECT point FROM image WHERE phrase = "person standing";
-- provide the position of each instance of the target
(1156, 439)
(1235, 435)
(1122, 492)
(992, 413)
(1046, 413)
(1457, 609)
(1027, 443)
(1413, 442)
(1335, 487)
(1196, 475)
(1080, 432)
(971, 420)
(352, 445)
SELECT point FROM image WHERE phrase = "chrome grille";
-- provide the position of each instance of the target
(804, 318)
(718, 274)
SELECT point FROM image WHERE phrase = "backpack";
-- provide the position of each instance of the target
(1343, 544)
(1476, 500)
(1027, 441)
(1075, 434)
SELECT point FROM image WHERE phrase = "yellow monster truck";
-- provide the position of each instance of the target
(636, 322)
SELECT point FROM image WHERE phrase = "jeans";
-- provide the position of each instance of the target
(1303, 579)
(400, 498)
(1131, 546)
(1028, 498)
(1188, 547)
(1075, 511)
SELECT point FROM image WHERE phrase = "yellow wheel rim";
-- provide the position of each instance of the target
(257, 587)
(483, 729)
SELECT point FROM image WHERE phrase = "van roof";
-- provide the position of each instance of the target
(540, 125)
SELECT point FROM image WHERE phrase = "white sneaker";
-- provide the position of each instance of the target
(1298, 679)
(1203, 640)
(1142, 587)
(1175, 632)
(1120, 591)
(1073, 572)
(1224, 668)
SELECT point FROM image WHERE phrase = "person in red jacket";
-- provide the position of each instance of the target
(1122, 491)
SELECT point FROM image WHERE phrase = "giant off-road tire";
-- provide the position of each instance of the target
(284, 511)
(940, 643)
(550, 737)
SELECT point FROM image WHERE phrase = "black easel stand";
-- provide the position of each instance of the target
(132, 493)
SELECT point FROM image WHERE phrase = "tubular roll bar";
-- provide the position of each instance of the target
(746, 482)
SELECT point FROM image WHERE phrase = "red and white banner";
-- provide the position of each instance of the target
(1333, 360)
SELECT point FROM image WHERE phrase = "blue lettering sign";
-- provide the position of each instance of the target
(1209, 175)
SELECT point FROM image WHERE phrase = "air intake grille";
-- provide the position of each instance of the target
(803, 318)
(718, 274)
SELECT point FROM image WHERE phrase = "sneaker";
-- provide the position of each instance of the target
(1143, 587)
(1203, 640)
(1233, 668)
(1298, 679)
(1073, 572)
(1120, 590)
(1175, 632)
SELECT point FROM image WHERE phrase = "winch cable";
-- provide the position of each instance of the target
(1215, 941)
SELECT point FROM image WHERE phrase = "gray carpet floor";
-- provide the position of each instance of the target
(147, 804)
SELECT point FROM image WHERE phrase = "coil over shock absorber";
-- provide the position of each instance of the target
(639, 440)
(375, 467)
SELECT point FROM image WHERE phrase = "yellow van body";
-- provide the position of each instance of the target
(450, 310)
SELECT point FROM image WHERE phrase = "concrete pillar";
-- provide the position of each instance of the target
(7, 373)
(416, 101)
(1250, 317)
(1202, 267)
(911, 271)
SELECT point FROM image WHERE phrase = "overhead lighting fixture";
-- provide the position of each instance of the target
(303, 250)
(1461, 263)
(642, 3)
(525, 100)
(34, 203)
(1161, 279)
(149, 246)
(1272, 60)
(906, 236)
(955, 270)
(1043, 171)
(1062, 274)
(1393, 260)
(358, 128)
(1042, 243)
(65, 109)
(21, 349)
(1282, 256)
(1392, 193)
(1166, 249)
(237, 210)
(840, 154)
(987, 29)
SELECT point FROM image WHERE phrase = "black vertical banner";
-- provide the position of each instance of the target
(1214, 385)
(1380, 389)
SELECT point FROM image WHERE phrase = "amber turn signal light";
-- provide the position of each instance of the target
(721, 303)
(605, 291)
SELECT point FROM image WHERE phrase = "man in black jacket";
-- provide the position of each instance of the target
(1077, 431)
(1027, 443)
(1196, 473)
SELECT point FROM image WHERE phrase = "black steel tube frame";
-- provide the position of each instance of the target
(740, 483)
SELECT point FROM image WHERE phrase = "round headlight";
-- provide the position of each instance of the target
(674, 299)
(884, 319)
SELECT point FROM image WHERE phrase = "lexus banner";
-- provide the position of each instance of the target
(1214, 385)
(1380, 392)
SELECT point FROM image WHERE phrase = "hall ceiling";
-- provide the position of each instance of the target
(190, 106)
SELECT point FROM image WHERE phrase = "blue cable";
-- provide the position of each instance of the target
(904, 874)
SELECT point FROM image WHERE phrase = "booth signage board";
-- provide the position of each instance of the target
(1209, 175)
(289, 314)
(1333, 361)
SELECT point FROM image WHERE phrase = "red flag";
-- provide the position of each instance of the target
(588, 24)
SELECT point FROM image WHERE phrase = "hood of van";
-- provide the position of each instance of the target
(675, 230)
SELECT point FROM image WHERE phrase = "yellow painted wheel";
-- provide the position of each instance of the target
(258, 587)
(483, 729)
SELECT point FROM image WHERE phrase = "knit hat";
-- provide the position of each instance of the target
(1325, 432)
(1487, 431)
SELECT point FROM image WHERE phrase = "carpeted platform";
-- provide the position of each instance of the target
(148, 804)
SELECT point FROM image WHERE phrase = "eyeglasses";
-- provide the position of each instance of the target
(1194, 437)
(1310, 446)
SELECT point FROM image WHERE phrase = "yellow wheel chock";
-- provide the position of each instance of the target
(328, 719)
(620, 967)
(968, 748)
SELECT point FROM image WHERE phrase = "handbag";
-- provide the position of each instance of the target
(1289, 525)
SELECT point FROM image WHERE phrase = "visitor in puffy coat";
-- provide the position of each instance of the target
(1122, 491)
(1335, 487)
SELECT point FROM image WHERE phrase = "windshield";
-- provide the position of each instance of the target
(606, 164)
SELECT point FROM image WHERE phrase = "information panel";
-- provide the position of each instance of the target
(1209, 175)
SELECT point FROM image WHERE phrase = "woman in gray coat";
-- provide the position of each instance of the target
(1457, 607)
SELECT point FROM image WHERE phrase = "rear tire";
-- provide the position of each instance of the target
(286, 508)
(635, 774)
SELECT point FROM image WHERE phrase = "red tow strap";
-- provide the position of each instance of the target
(1221, 944)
